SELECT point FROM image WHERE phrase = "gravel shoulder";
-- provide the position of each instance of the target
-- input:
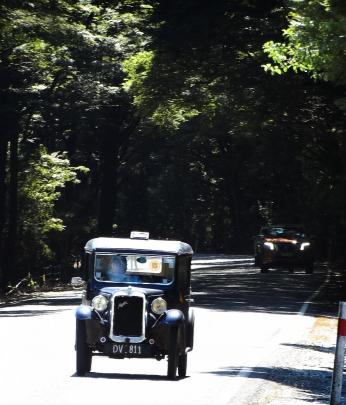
(61, 293)
(299, 372)
(299, 369)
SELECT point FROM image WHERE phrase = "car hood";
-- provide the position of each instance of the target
(284, 240)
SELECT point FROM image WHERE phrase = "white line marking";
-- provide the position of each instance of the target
(247, 371)
(306, 304)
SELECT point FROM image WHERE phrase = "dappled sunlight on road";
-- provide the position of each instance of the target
(236, 284)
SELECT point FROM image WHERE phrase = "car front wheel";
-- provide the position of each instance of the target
(190, 329)
(83, 352)
(309, 269)
(182, 365)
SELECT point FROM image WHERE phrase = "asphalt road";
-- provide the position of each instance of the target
(259, 339)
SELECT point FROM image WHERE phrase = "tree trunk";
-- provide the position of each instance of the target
(3, 161)
(11, 249)
(107, 191)
(114, 145)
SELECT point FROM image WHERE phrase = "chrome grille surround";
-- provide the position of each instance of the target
(119, 311)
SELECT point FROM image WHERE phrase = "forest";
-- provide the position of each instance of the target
(193, 120)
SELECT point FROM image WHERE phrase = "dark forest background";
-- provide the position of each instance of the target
(169, 117)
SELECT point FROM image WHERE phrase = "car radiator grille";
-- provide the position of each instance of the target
(286, 248)
(128, 315)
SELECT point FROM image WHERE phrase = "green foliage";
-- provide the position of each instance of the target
(41, 188)
(111, 81)
(170, 111)
(257, 143)
(137, 68)
(315, 41)
(61, 74)
(31, 283)
(198, 55)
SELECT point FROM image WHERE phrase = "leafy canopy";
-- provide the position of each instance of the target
(42, 184)
(315, 41)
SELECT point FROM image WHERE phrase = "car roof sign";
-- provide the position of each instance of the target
(139, 235)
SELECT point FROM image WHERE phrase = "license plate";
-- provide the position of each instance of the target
(131, 350)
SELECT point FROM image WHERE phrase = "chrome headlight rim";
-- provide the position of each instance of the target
(159, 306)
(99, 303)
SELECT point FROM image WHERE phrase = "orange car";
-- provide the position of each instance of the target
(283, 246)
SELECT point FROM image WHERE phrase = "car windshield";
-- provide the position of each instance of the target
(132, 268)
(283, 233)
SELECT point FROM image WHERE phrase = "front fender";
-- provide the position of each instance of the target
(173, 317)
(83, 312)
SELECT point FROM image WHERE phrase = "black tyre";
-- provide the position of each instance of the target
(264, 269)
(172, 353)
(190, 329)
(309, 269)
(182, 365)
(83, 352)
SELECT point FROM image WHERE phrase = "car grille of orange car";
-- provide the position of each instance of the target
(128, 315)
(286, 247)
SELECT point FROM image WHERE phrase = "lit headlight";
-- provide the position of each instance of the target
(304, 245)
(99, 303)
(159, 306)
(269, 245)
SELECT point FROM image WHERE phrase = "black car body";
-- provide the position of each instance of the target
(283, 246)
(144, 312)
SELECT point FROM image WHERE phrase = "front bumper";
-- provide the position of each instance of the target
(298, 259)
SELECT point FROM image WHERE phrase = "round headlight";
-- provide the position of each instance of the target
(159, 306)
(99, 303)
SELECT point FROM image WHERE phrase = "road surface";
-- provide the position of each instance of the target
(259, 339)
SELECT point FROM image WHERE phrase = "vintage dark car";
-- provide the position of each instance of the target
(283, 246)
(136, 303)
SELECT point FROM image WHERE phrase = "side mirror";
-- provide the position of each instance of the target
(77, 282)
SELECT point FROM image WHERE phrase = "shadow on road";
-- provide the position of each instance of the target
(245, 288)
(38, 306)
(320, 349)
(26, 313)
(62, 299)
(305, 380)
(224, 283)
(118, 376)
